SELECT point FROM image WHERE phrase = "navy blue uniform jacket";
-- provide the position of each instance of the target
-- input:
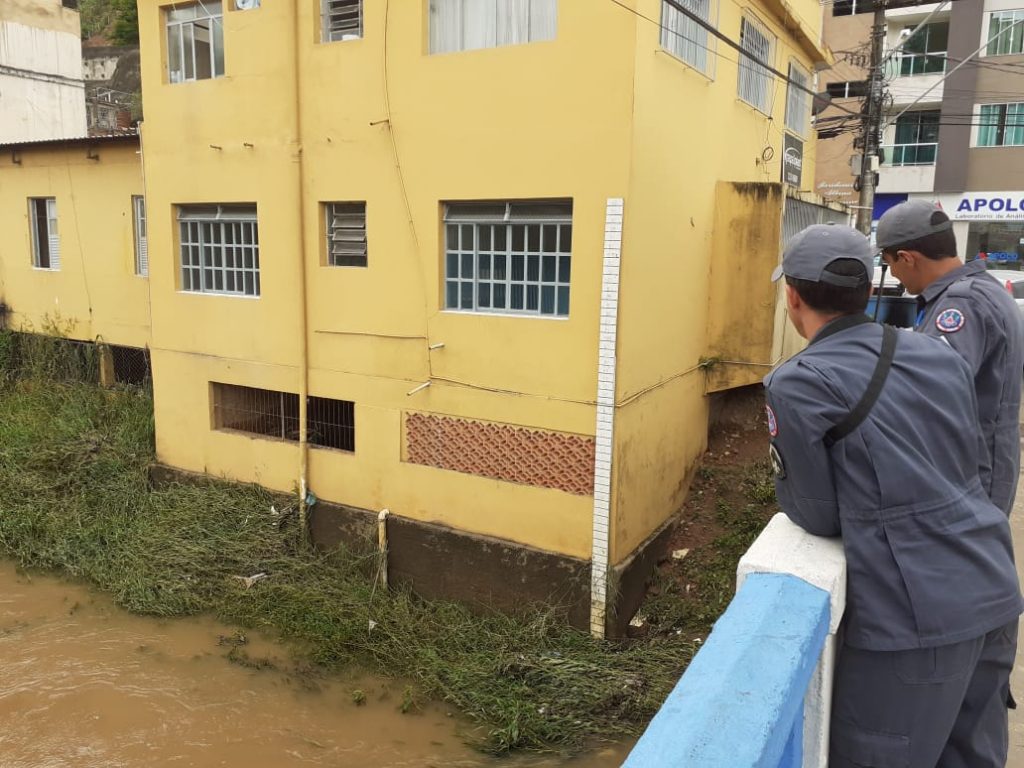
(929, 556)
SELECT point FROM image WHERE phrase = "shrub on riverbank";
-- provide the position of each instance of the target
(74, 498)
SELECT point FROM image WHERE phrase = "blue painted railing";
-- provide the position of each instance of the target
(740, 703)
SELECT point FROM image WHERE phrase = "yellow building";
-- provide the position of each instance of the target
(73, 254)
(454, 259)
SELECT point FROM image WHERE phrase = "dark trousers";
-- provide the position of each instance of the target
(939, 707)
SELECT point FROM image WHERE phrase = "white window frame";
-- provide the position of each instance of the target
(980, 126)
(476, 278)
(179, 31)
(1007, 41)
(798, 102)
(685, 39)
(345, 224)
(219, 249)
(497, 23)
(755, 83)
(139, 230)
(333, 30)
(52, 255)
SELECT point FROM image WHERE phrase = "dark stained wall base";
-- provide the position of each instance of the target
(439, 562)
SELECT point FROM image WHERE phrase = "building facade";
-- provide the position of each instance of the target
(42, 94)
(462, 262)
(953, 131)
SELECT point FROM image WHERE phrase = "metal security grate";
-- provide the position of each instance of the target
(341, 19)
(346, 234)
(332, 423)
(267, 412)
(798, 214)
(131, 365)
(755, 83)
(220, 249)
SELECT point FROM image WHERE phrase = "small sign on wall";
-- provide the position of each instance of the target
(792, 160)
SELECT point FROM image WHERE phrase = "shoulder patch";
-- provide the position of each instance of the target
(950, 320)
(773, 425)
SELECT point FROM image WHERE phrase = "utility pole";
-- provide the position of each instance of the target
(871, 135)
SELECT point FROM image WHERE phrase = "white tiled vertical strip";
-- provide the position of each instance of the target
(605, 415)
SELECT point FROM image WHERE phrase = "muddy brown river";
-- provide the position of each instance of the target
(84, 684)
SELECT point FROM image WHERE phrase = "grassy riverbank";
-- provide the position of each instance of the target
(74, 498)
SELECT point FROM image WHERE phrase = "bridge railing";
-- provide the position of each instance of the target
(759, 692)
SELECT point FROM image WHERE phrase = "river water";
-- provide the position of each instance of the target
(85, 684)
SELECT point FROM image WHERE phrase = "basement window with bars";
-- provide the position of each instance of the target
(755, 81)
(346, 234)
(466, 25)
(141, 241)
(195, 41)
(45, 239)
(269, 413)
(684, 38)
(220, 249)
(1001, 125)
(508, 257)
(341, 20)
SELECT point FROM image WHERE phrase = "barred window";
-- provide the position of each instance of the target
(270, 413)
(341, 20)
(346, 234)
(220, 249)
(755, 81)
(798, 101)
(510, 257)
(684, 38)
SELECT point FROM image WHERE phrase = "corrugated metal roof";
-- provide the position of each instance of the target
(126, 135)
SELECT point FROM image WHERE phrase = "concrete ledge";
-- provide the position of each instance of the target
(740, 702)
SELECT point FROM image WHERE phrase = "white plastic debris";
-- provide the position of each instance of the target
(679, 554)
(250, 580)
(372, 625)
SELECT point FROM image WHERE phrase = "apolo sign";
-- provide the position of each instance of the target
(984, 206)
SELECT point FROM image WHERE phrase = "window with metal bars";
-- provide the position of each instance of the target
(684, 38)
(346, 234)
(330, 423)
(45, 239)
(755, 81)
(1001, 125)
(798, 101)
(141, 241)
(220, 249)
(341, 20)
(508, 257)
(195, 41)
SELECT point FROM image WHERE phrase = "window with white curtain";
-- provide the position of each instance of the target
(755, 83)
(466, 25)
(684, 38)
(1005, 33)
(141, 241)
(45, 240)
(798, 101)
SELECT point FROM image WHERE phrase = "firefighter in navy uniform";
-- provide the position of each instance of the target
(874, 438)
(976, 315)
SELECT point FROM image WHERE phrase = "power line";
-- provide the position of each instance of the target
(725, 39)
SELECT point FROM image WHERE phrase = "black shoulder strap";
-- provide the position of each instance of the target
(867, 401)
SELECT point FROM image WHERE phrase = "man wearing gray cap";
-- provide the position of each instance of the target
(874, 438)
(967, 307)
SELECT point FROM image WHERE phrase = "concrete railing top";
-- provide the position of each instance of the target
(758, 695)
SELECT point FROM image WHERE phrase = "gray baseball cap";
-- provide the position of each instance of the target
(910, 221)
(811, 250)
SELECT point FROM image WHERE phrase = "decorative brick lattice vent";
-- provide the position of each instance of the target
(502, 451)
